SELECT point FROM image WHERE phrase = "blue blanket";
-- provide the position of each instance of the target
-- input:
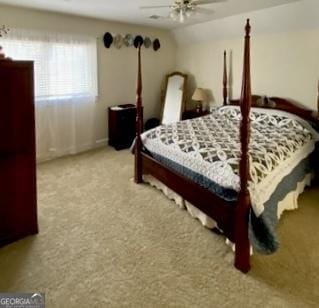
(262, 229)
(207, 151)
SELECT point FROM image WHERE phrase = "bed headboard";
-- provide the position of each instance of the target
(272, 102)
(282, 104)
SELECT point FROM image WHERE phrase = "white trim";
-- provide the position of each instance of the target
(72, 151)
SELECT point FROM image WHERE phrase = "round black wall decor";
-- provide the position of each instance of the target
(156, 44)
(107, 39)
(138, 41)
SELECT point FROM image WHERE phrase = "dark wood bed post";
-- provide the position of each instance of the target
(138, 176)
(225, 94)
(242, 254)
(318, 101)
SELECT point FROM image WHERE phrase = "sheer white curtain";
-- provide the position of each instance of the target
(65, 88)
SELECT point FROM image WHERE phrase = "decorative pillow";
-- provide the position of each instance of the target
(260, 102)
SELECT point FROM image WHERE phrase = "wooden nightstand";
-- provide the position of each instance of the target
(192, 114)
(121, 125)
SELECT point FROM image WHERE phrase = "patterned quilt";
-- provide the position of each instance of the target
(207, 149)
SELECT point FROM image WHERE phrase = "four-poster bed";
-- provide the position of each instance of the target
(232, 216)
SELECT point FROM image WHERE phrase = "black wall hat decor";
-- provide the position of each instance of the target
(156, 44)
(107, 39)
(128, 40)
(138, 41)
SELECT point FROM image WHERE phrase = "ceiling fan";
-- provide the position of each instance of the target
(183, 9)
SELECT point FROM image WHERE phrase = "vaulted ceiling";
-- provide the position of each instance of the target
(128, 10)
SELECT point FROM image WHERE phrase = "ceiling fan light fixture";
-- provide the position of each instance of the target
(181, 16)
(174, 14)
(184, 9)
(189, 13)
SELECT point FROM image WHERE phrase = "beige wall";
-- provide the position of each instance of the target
(285, 65)
(285, 49)
(284, 52)
(116, 68)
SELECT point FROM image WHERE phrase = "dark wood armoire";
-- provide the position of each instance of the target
(18, 202)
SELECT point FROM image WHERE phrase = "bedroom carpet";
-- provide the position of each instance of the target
(106, 242)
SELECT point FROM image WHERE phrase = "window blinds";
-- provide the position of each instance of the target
(64, 65)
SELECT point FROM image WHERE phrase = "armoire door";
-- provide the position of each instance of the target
(18, 206)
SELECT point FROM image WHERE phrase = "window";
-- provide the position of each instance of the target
(64, 65)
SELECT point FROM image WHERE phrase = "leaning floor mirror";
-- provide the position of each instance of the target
(174, 97)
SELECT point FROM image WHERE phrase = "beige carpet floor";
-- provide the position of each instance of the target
(106, 242)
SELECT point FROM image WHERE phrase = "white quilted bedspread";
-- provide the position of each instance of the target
(210, 146)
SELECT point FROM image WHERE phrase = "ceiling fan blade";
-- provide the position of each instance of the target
(157, 17)
(203, 2)
(153, 7)
(201, 10)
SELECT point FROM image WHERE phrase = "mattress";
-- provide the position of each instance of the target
(207, 150)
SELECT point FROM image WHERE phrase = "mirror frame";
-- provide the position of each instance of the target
(176, 73)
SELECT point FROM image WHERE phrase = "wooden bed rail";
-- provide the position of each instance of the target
(225, 92)
(138, 175)
(242, 253)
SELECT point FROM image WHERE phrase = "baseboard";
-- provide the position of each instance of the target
(101, 142)
(72, 151)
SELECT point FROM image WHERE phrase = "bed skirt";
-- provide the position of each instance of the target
(290, 202)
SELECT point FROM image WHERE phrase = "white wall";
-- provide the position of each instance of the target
(116, 68)
(284, 52)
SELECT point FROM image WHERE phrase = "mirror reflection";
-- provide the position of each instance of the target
(173, 105)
